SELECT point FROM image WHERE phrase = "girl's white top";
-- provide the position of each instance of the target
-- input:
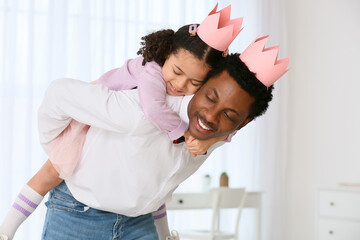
(127, 165)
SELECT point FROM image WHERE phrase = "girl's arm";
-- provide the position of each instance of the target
(152, 94)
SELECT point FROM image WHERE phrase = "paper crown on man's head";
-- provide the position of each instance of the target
(217, 30)
(263, 61)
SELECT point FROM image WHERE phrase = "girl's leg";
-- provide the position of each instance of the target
(29, 198)
(45, 179)
(161, 223)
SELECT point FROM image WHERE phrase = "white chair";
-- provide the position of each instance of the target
(221, 198)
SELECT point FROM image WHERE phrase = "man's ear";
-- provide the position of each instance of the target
(244, 123)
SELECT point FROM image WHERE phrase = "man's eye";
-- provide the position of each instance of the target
(228, 116)
(210, 99)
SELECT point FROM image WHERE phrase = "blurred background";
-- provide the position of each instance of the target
(308, 139)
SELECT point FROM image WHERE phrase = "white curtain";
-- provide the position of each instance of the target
(41, 40)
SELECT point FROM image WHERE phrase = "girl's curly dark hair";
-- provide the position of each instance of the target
(157, 46)
(247, 81)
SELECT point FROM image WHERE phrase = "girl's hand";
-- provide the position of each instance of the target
(196, 146)
(199, 147)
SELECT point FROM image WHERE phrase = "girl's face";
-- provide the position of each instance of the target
(183, 73)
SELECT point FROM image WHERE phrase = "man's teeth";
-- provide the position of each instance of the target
(203, 125)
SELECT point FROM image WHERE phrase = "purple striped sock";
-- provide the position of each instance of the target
(27, 201)
(23, 206)
(160, 216)
(21, 209)
(162, 207)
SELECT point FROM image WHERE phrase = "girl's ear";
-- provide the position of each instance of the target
(244, 123)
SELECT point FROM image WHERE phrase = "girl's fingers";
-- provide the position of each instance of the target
(190, 139)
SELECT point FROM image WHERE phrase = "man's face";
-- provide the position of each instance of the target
(218, 108)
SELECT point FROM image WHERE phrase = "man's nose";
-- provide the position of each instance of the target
(212, 116)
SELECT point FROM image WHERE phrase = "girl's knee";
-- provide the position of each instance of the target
(45, 179)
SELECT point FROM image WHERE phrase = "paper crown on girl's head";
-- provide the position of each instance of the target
(217, 30)
(263, 61)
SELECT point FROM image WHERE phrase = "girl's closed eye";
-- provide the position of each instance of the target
(176, 73)
(196, 83)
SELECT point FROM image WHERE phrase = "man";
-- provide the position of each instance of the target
(128, 168)
(122, 146)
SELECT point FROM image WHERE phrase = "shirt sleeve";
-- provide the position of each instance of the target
(152, 94)
(91, 104)
(121, 78)
(228, 139)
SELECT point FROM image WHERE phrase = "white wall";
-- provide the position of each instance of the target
(324, 115)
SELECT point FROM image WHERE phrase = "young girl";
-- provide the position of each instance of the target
(171, 63)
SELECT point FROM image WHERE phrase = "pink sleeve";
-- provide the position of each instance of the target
(152, 93)
(228, 139)
(124, 77)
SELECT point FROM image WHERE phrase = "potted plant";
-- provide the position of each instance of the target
(224, 180)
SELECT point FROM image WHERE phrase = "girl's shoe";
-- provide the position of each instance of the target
(3, 237)
(174, 236)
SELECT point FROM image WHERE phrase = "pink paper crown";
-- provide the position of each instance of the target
(263, 61)
(217, 30)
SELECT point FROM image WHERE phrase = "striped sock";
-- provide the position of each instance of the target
(161, 223)
(160, 213)
(25, 203)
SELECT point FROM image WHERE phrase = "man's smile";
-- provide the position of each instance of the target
(201, 125)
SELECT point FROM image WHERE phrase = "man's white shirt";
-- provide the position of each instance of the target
(127, 165)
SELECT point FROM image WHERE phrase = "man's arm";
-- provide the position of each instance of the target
(91, 104)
